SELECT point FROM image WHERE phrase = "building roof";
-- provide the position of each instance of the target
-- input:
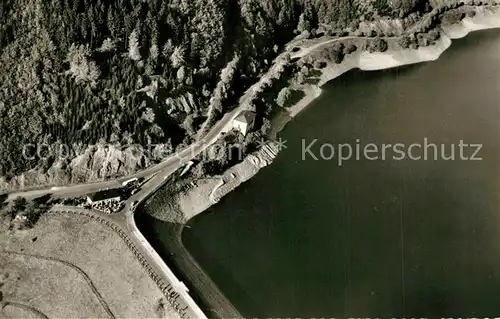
(103, 195)
(245, 117)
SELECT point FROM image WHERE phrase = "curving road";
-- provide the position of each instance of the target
(165, 168)
(124, 225)
(174, 162)
(156, 176)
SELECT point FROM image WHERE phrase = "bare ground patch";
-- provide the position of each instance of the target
(67, 261)
(18, 310)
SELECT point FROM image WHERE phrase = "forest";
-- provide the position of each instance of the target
(143, 71)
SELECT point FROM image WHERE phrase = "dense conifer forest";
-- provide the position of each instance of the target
(143, 71)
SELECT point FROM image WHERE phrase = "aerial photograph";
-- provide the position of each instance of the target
(250, 159)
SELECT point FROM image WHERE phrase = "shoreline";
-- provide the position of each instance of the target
(208, 191)
(394, 58)
(203, 291)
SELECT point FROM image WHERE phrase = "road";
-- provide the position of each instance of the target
(124, 225)
(164, 168)
(156, 176)
(177, 160)
(309, 49)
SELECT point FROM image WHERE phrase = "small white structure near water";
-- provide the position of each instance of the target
(106, 196)
(244, 122)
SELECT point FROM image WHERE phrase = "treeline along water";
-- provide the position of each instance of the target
(379, 238)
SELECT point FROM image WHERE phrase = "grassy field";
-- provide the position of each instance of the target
(71, 266)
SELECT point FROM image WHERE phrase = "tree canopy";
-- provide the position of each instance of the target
(133, 71)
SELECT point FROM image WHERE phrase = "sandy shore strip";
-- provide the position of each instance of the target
(209, 191)
(366, 61)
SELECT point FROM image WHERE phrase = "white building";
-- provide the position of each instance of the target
(244, 122)
(106, 196)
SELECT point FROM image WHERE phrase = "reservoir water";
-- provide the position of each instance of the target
(372, 238)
